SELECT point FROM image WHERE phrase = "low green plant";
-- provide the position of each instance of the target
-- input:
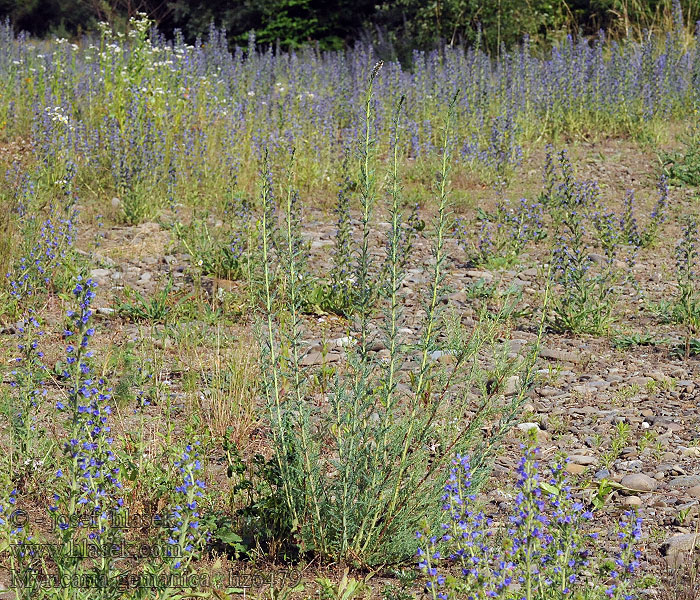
(625, 341)
(683, 166)
(691, 347)
(221, 250)
(348, 588)
(618, 441)
(481, 289)
(684, 308)
(603, 491)
(401, 591)
(154, 308)
(503, 233)
(135, 205)
(648, 438)
(624, 393)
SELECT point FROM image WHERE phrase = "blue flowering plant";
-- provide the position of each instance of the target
(182, 530)
(544, 549)
(45, 253)
(503, 233)
(87, 497)
(586, 282)
(16, 543)
(28, 382)
(684, 307)
(186, 532)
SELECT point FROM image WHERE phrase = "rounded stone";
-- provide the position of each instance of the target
(575, 469)
(632, 502)
(639, 482)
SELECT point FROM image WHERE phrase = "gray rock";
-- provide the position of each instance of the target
(512, 385)
(602, 474)
(528, 426)
(105, 261)
(639, 482)
(100, 273)
(561, 355)
(679, 548)
(684, 481)
(632, 502)
(630, 466)
(575, 469)
(473, 274)
(581, 459)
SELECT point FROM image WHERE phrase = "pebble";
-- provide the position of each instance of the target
(561, 355)
(528, 426)
(632, 502)
(684, 481)
(639, 482)
(580, 459)
(630, 466)
(512, 385)
(640, 381)
(694, 492)
(602, 474)
(574, 468)
(100, 273)
(473, 274)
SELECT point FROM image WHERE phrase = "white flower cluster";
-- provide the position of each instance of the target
(57, 115)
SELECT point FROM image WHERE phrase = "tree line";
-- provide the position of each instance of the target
(396, 27)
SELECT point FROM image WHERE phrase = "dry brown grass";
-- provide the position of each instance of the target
(226, 401)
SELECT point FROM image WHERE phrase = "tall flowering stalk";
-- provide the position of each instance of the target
(586, 289)
(28, 381)
(659, 214)
(686, 308)
(368, 195)
(47, 247)
(342, 278)
(182, 534)
(87, 497)
(186, 531)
